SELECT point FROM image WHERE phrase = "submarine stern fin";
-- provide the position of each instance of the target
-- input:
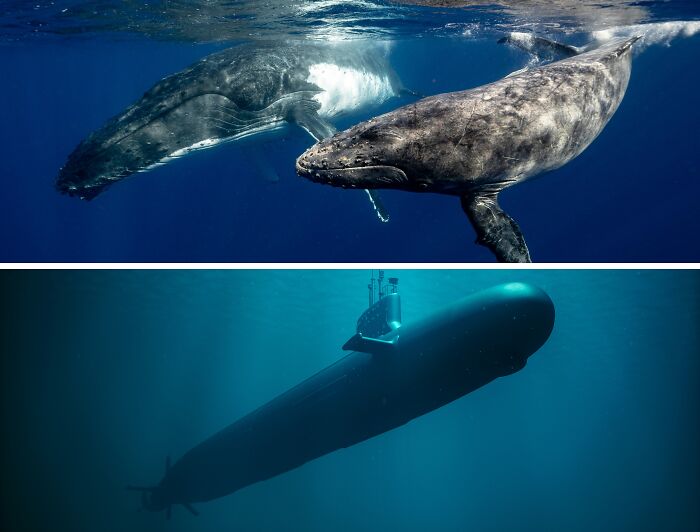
(153, 500)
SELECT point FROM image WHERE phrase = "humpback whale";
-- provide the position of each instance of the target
(230, 95)
(475, 143)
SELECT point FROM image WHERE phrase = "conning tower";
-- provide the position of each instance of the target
(384, 313)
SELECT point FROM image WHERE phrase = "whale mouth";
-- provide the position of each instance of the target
(84, 192)
(376, 176)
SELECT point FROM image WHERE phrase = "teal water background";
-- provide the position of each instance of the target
(104, 373)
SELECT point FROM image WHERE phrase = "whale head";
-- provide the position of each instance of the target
(148, 134)
(389, 151)
(178, 115)
(101, 160)
(372, 154)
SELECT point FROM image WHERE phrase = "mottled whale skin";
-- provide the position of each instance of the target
(229, 95)
(477, 142)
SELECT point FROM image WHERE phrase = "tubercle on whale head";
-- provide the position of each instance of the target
(70, 184)
(368, 155)
(78, 181)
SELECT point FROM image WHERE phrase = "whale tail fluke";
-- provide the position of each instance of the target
(545, 50)
(540, 48)
(629, 42)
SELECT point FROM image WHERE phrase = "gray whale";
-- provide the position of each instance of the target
(475, 143)
(230, 95)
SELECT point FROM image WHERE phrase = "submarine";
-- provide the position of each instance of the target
(393, 374)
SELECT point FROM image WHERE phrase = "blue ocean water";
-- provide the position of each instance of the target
(70, 66)
(104, 373)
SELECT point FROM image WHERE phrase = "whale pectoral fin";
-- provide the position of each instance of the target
(379, 208)
(307, 117)
(495, 229)
(372, 346)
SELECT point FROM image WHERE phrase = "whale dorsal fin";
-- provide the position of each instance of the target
(543, 49)
(494, 228)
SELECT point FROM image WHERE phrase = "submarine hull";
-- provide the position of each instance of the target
(415, 369)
